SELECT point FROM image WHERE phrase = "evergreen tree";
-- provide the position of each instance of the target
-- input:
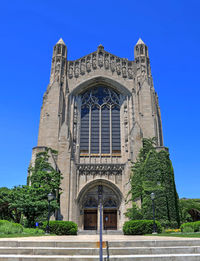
(153, 172)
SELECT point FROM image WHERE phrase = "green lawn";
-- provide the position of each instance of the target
(196, 234)
(22, 235)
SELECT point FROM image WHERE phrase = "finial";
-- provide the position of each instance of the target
(61, 41)
(100, 47)
(140, 41)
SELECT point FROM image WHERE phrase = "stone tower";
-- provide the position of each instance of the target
(95, 112)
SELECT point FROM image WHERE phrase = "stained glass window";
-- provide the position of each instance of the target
(100, 122)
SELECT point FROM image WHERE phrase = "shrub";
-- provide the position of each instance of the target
(7, 227)
(62, 227)
(140, 227)
(190, 227)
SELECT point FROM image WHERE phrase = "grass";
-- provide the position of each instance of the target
(21, 235)
(194, 234)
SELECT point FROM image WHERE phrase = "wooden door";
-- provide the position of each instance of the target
(90, 219)
(110, 219)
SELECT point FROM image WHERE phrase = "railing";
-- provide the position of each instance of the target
(107, 251)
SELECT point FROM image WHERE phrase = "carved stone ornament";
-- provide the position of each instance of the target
(57, 65)
(88, 66)
(118, 68)
(124, 71)
(70, 70)
(112, 65)
(106, 64)
(101, 59)
(77, 71)
(94, 62)
(130, 73)
(82, 67)
(100, 169)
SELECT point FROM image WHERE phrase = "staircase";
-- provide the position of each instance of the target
(137, 250)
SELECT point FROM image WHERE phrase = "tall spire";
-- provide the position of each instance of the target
(140, 41)
(141, 55)
(61, 41)
(59, 61)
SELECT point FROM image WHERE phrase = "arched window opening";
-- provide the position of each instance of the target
(100, 122)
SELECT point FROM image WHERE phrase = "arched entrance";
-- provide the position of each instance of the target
(89, 205)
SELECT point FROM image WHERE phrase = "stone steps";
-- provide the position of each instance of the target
(180, 257)
(95, 251)
(138, 250)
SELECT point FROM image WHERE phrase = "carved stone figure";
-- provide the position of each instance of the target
(118, 68)
(100, 59)
(130, 73)
(77, 70)
(71, 70)
(106, 63)
(82, 67)
(57, 65)
(124, 71)
(94, 62)
(88, 66)
(112, 65)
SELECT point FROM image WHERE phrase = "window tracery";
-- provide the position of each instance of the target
(100, 122)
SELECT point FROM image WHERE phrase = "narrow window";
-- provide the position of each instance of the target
(95, 130)
(84, 140)
(105, 130)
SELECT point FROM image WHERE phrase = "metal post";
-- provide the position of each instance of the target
(50, 197)
(154, 223)
(100, 192)
(47, 227)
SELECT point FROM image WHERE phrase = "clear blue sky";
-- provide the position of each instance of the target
(30, 29)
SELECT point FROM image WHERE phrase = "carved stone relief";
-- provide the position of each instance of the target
(100, 169)
(120, 66)
(83, 66)
(94, 61)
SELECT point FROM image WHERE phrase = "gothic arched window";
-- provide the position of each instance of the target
(100, 122)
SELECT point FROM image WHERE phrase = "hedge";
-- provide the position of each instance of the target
(140, 227)
(61, 227)
(190, 227)
(7, 227)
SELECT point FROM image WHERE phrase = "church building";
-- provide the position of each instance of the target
(96, 111)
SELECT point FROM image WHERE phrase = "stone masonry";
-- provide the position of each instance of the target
(60, 125)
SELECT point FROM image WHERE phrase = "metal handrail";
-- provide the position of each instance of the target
(107, 250)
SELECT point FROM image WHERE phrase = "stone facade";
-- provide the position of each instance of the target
(60, 127)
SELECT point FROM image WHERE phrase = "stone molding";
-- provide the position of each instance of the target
(100, 169)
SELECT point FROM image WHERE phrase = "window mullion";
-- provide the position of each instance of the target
(111, 130)
(100, 130)
(90, 131)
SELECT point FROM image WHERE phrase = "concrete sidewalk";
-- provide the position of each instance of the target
(93, 238)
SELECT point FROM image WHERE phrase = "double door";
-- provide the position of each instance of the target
(109, 219)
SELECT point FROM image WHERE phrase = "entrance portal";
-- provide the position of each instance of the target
(89, 206)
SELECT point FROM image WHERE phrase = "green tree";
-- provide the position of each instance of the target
(153, 172)
(5, 212)
(31, 200)
(189, 210)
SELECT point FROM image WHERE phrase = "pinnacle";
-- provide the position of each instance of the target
(60, 41)
(140, 41)
(100, 46)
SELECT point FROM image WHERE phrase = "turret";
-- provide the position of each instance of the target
(59, 61)
(142, 59)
